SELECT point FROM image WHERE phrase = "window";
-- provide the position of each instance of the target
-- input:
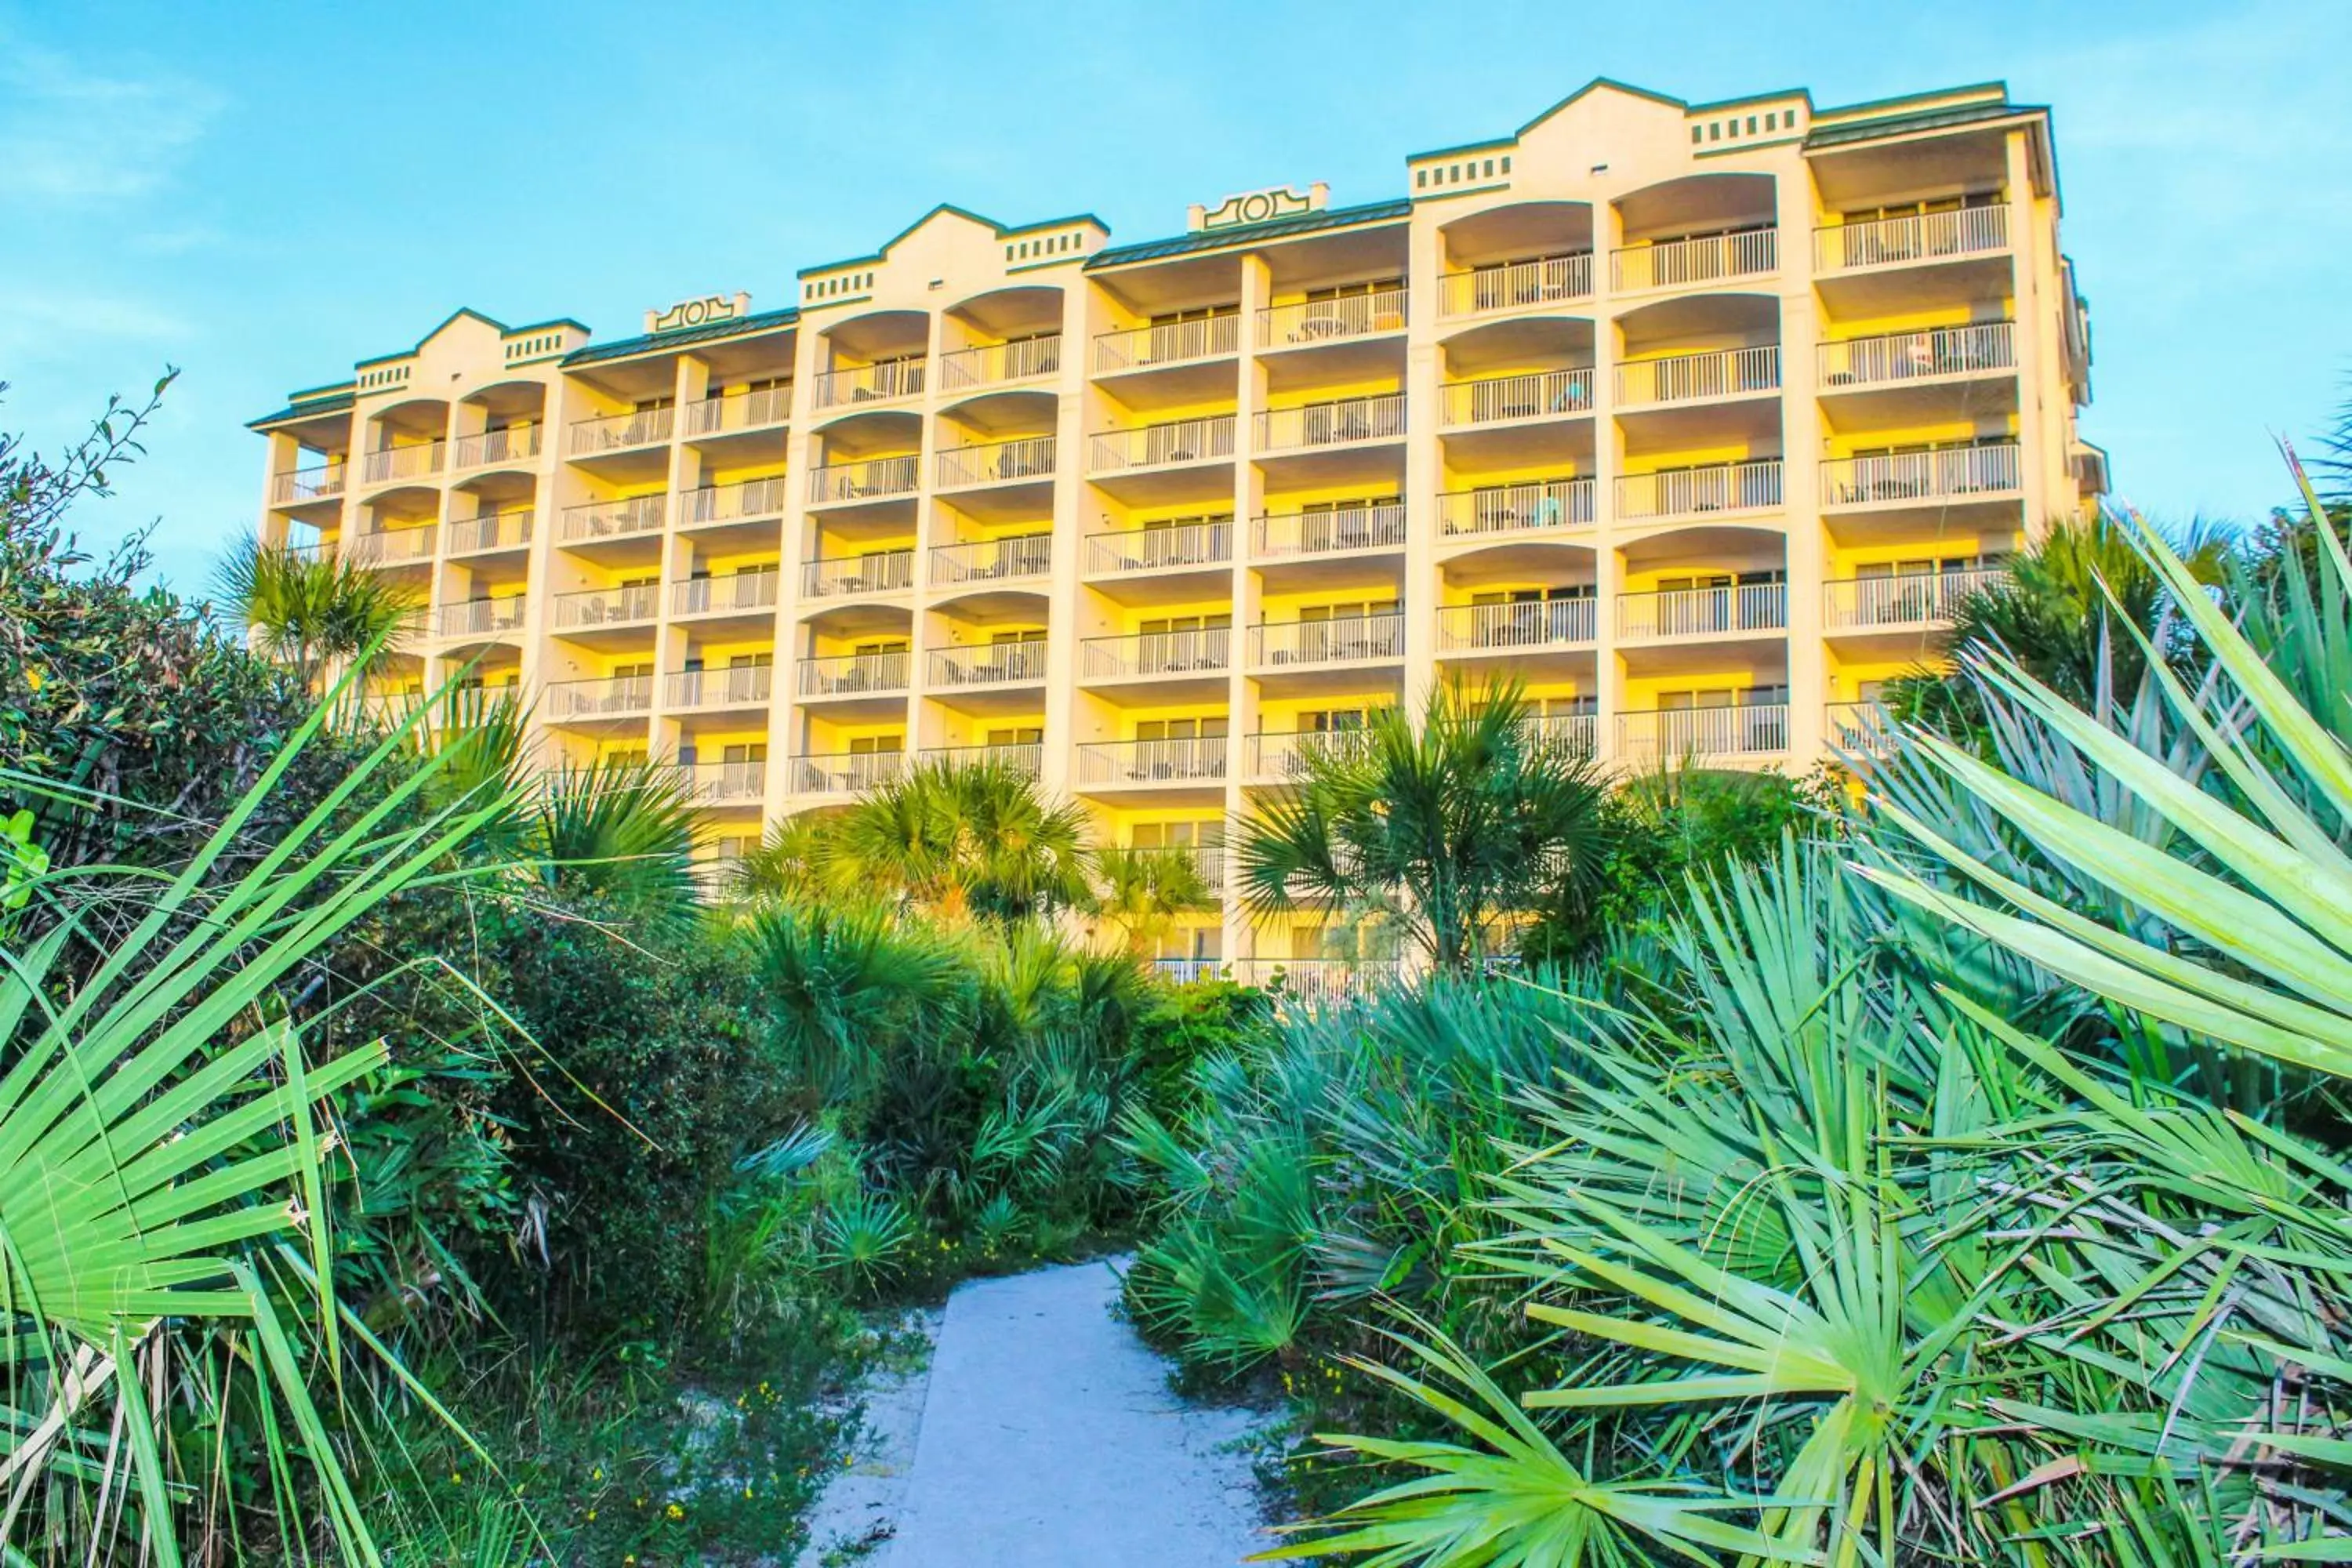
(744, 752)
(877, 745)
(1208, 729)
(1015, 736)
(881, 645)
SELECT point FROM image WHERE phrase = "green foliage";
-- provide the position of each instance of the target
(962, 838)
(315, 613)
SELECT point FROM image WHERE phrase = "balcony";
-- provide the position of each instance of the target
(737, 685)
(987, 664)
(1176, 343)
(854, 674)
(622, 432)
(731, 411)
(1704, 258)
(1499, 398)
(612, 697)
(1701, 491)
(1162, 446)
(392, 547)
(1915, 599)
(1691, 378)
(1575, 736)
(1533, 627)
(875, 479)
(1156, 549)
(1277, 535)
(1864, 728)
(996, 364)
(514, 443)
(725, 784)
(1343, 639)
(1948, 474)
(1185, 652)
(995, 462)
(845, 576)
(884, 382)
(1346, 422)
(1189, 760)
(1514, 286)
(1902, 241)
(479, 617)
(499, 530)
(1901, 359)
(732, 594)
(992, 559)
(1731, 611)
(1026, 762)
(297, 487)
(1279, 756)
(606, 607)
(1331, 320)
(1701, 734)
(1189, 971)
(1515, 509)
(1317, 982)
(612, 519)
(391, 463)
(846, 773)
(739, 502)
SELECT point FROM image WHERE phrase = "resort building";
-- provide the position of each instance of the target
(1695, 418)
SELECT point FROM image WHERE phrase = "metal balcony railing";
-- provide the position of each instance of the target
(1343, 639)
(875, 479)
(1547, 623)
(1695, 492)
(994, 363)
(391, 547)
(295, 486)
(607, 606)
(1573, 735)
(839, 576)
(990, 559)
(1690, 378)
(1278, 755)
(987, 664)
(1951, 473)
(1149, 548)
(845, 772)
(415, 462)
(513, 444)
(1515, 509)
(1026, 761)
(737, 685)
(1894, 358)
(622, 432)
(1921, 236)
(882, 383)
(1505, 397)
(751, 410)
(612, 519)
(1331, 320)
(994, 462)
(1173, 343)
(736, 592)
(724, 784)
(1284, 534)
(1913, 599)
(619, 696)
(479, 617)
(499, 530)
(1156, 653)
(1514, 285)
(1704, 612)
(1758, 729)
(737, 503)
(849, 674)
(1342, 423)
(1153, 445)
(1704, 258)
(1199, 759)
(1317, 982)
(1866, 728)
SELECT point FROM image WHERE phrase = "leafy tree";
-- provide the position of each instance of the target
(1142, 893)
(964, 838)
(314, 614)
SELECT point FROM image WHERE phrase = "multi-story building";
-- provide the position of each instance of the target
(1694, 419)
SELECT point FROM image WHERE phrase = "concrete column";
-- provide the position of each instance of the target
(1249, 503)
(1423, 470)
(1802, 442)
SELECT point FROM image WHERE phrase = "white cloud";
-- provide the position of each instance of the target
(73, 138)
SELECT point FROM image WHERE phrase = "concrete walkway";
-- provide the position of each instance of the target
(1048, 1438)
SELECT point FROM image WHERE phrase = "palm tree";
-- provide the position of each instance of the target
(313, 613)
(1449, 826)
(965, 838)
(1142, 893)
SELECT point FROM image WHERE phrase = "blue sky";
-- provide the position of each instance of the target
(265, 193)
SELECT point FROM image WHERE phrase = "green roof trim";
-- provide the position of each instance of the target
(1873, 105)
(1744, 100)
(1595, 85)
(490, 321)
(1000, 230)
(542, 326)
(1930, 120)
(711, 331)
(337, 404)
(1240, 234)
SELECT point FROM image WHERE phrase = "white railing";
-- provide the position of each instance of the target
(1863, 727)
(404, 462)
(995, 462)
(296, 486)
(1343, 639)
(612, 519)
(392, 545)
(1683, 378)
(880, 383)
(1025, 761)
(1149, 549)
(740, 410)
(1277, 755)
(991, 363)
(1199, 759)
(1675, 262)
(736, 686)
(1692, 492)
(497, 531)
(719, 783)
(1146, 348)
(1157, 652)
(1950, 473)
(1920, 598)
(988, 560)
(845, 674)
(988, 664)
(607, 606)
(721, 595)
(1337, 424)
(845, 772)
(619, 432)
(613, 696)
(833, 576)
(1516, 397)
(874, 479)
(1704, 612)
(1377, 527)
(1921, 236)
(1317, 982)
(1918, 356)
(735, 502)
(1758, 729)
(1575, 735)
(1514, 285)
(513, 444)
(1325, 320)
(1515, 509)
(1551, 623)
(1189, 971)
(1149, 446)
(480, 617)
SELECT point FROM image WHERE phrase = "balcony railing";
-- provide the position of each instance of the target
(1676, 263)
(1329, 321)
(1343, 639)
(736, 502)
(479, 617)
(403, 462)
(849, 674)
(995, 462)
(618, 696)
(988, 664)
(1914, 599)
(1899, 357)
(1025, 761)
(1695, 492)
(1549, 624)
(1952, 473)
(1198, 759)
(1921, 236)
(1861, 726)
(1514, 285)
(1672, 734)
(1504, 397)
(1688, 378)
(881, 383)
(738, 685)
(1275, 756)
(621, 432)
(1157, 652)
(514, 443)
(612, 519)
(1149, 548)
(1317, 982)
(989, 560)
(389, 547)
(1175, 343)
(499, 530)
(840, 576)
(1189, 971)
(607, 606)
(1338, 424)
(994, 363)
(1153, 445)
(751, 410)
(875, 479)
(1573, 735)
(1281, 533)
(1516, 509)
(845, 772)
(1704, 612)
(724, 784)
(736, 592)
(296, 486)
